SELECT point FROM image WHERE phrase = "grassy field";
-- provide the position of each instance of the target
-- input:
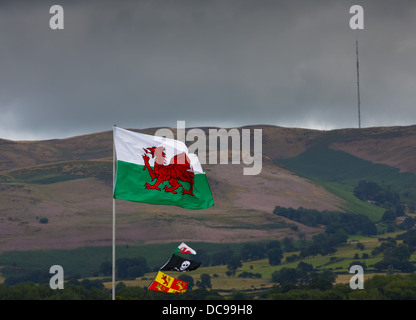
(85, 261)
(352, 203)
(338, 262)
(337, 166)
(330, 165)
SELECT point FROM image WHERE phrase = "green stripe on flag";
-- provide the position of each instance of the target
(131, 178)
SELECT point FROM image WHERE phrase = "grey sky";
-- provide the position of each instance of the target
(224, 63)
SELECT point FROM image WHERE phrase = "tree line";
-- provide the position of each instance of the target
(396, 253)
(302, 284)
(334, 221)
(379, 194)
(378, 287)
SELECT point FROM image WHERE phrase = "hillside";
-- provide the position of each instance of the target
(69, 182)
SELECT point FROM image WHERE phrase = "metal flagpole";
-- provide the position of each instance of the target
(114, 226)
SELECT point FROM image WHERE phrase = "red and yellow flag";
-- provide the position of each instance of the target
(168, 284)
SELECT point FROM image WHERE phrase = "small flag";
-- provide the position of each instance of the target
(184, 248)
(165, 283)
(177, 263)
(158, 170)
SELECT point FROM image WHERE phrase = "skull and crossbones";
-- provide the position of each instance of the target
(183, 266)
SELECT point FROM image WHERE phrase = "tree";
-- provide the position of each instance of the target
(239, 295)
(305, 272)
(88, 284)
(401, 252)
(400, 289)
(233, 264)
(380, 195)
(360, 246)
(328, 275)
(408, 223)
(285, 275)
(253, 251)
(390, 270)
(131, 268)
(388, 215)
(221, 257)
(205, 282)
(320, 284)
(398, 258)
(410, 239)
(273, 244)
(351, 223)
(288, 244)
(106, 268)
(275, 256)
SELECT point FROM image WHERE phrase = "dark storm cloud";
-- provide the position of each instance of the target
(211, 63)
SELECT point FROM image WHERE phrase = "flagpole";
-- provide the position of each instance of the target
(114, 226)
(166, 262)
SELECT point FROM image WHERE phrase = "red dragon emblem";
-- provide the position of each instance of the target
(179, 169)
(185, 250)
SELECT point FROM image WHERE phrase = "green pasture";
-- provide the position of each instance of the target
(330, 165)
(339, 172)
(86, 261)
(352, 203)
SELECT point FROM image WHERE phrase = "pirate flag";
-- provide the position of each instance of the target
(177, 263)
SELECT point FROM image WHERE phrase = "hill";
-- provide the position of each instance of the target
(68, 183)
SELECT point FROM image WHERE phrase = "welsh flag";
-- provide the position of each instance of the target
(158, 170)
(184, 248)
